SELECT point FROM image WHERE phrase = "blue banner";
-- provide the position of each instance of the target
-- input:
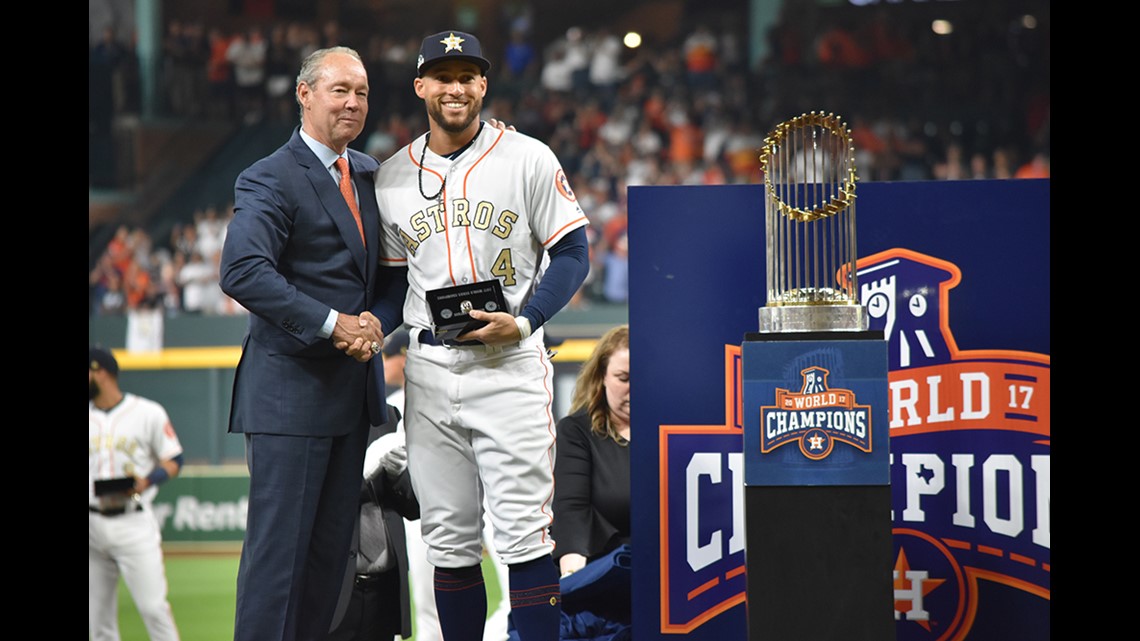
(956, 276)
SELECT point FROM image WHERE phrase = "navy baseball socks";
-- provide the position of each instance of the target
(461, 599)
(536, 599)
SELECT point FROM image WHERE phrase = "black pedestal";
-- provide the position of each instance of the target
(819, 563)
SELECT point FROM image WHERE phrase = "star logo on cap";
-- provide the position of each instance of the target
(451, 42)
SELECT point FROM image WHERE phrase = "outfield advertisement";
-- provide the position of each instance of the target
(199, 509)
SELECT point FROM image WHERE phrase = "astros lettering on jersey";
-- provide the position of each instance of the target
(488, 207)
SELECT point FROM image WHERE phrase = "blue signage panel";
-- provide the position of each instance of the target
(815, 412)
(956, 275)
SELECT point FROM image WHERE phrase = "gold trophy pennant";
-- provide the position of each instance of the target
(809, 205)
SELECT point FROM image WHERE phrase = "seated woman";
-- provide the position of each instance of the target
(591, 470)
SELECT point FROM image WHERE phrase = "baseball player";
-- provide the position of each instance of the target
(420, 569)
(464, 204)
(133, 444)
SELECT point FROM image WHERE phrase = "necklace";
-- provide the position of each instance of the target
(453, 155)
(423, 154)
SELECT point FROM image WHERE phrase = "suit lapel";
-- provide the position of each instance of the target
(370, 217)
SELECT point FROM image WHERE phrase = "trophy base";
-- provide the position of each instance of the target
(813, 318)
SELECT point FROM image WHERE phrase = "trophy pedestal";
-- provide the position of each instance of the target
(817, 492)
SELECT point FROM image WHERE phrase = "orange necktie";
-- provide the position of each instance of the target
(349, 196)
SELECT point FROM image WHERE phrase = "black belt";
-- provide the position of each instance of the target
(115, 511)
(428, 338)
(366, 581)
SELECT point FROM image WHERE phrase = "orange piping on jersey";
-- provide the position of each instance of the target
(443, 204)
(569, 224)
(470, 254)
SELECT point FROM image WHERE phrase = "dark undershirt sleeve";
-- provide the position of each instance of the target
(569, 266)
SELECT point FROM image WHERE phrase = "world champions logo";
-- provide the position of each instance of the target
(969, 471)
(816, 418)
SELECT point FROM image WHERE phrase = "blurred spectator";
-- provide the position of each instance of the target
(519, 57)
(616, 274)
(106, 286)
(700, 49)
(1003, 163)
(219, 75)
(139, 288)
(578, 58)
(169, 287)
(605, 71)
(198, 278)
(281, 61)
(247, 54)
(979, 166)
(953, 165)
(179, 68)
(557, 72)
(211, 232)
(1036, 167)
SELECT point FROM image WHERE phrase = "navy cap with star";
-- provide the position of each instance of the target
(451, 45)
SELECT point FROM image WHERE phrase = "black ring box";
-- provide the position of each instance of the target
(450, 306)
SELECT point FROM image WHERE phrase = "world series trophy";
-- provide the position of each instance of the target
(814, 396)
(809, 218)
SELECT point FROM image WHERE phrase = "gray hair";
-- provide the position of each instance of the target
(311, 67)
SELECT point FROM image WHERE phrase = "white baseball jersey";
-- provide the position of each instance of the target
(505, 201)
(129, 440)
(477, 418)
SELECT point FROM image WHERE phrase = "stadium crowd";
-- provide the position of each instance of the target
(691, 111)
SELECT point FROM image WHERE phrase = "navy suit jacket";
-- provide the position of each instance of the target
(292, 253)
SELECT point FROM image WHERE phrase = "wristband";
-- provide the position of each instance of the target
(157, 475)
(524, 327)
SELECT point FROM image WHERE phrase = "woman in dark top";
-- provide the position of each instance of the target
(591, 470)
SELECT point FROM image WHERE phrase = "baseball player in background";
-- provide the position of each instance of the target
(463, 204)
(131, 441)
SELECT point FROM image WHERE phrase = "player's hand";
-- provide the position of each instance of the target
(357, 335)
(571, 563)
(500, 329)
(498, 124)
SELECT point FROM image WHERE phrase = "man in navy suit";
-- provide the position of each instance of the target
(310, 382)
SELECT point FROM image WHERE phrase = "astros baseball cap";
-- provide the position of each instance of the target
(102, 359)
(451, 45)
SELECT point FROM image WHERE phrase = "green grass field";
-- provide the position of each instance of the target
(202, 593)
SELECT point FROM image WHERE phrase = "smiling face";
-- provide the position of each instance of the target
(335, 106)
(453, 91)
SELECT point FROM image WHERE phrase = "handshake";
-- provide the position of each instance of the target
(361, 337)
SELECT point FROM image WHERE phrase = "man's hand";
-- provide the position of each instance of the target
(498, 124)
(355, 335)
(500, 329)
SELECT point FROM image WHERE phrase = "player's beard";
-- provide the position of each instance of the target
(94, 391)
(460, 123)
